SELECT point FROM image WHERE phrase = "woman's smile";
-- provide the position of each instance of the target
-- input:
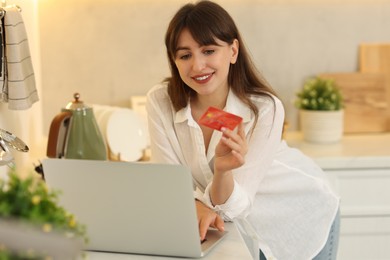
(203, 79)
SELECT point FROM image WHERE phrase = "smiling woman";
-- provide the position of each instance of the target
(247, 174)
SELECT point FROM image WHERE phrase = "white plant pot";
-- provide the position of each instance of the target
(322, 126)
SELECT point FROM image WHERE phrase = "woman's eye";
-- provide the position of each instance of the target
(209, 52)
(184, 56)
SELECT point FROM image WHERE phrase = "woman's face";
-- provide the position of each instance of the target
(205, 69)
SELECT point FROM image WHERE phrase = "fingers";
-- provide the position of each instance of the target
(236, 136)
(240, 158)
(203, 226)
(215, 221)
(236, 141)
(219, 223)
(233, 145)
(208, 218)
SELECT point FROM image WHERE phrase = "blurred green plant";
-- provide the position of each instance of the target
(319, 94)
(29, 200)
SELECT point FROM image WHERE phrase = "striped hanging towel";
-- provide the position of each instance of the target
(17, 79)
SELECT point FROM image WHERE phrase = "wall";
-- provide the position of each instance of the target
(109, 50)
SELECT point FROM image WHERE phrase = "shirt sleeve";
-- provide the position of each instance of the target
(160, 121)
(263, 144)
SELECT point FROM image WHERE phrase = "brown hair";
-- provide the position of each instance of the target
(207, 21)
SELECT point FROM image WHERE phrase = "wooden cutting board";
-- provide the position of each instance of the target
(366, 107)
(375, 58)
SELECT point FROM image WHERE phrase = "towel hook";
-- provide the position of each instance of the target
(3, 4)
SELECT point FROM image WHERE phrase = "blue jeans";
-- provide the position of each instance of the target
(329, 251)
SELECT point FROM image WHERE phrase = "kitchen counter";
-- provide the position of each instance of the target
(357, 151)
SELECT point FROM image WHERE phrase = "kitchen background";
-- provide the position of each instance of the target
(110, 50)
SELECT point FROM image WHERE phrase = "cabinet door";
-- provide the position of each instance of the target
(365, 213)
(363, 192)
(364, 238)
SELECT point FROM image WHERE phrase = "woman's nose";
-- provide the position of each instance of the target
(198, 63)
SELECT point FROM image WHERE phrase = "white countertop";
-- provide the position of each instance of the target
(232, 247)
(353, 151)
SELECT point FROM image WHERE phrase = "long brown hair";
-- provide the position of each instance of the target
(207, 21)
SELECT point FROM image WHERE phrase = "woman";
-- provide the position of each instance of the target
(277, 196)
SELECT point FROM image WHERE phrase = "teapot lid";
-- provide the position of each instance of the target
(76, 104)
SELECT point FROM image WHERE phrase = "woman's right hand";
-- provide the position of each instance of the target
(231, 150)
(207, 218)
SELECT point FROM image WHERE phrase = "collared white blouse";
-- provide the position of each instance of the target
(280, 200)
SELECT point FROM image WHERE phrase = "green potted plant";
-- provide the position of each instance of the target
(33, 224)
(320, 104)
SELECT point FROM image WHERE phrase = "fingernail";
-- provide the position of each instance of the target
(223, 129)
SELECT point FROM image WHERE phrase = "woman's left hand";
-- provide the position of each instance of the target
(231, 150)
(207, 218)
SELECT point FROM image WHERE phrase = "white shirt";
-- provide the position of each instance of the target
(280, 199)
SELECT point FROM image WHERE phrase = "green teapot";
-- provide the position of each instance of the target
(75, 134)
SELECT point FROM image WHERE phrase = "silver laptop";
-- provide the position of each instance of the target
(139, 208)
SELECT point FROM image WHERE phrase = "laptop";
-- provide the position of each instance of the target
(131, 207)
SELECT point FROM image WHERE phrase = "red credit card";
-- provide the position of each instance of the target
(216, 118)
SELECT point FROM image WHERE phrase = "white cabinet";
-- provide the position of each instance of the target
(365, 212)
(359, 170)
